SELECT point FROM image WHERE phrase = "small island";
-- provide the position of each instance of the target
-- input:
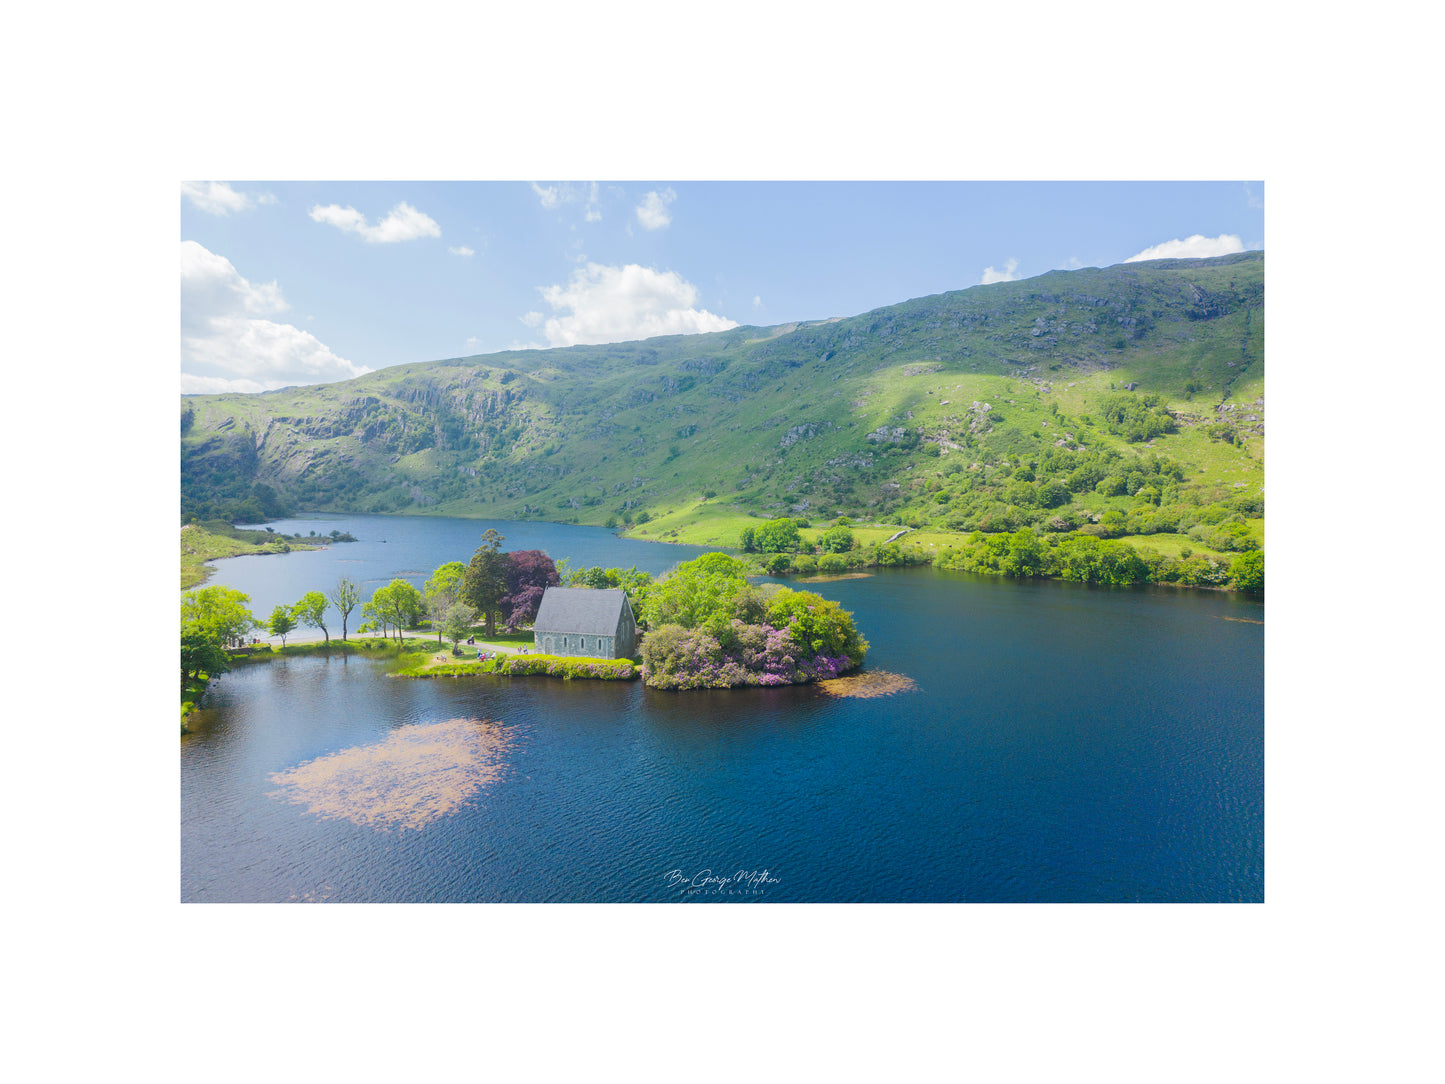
(702, 625)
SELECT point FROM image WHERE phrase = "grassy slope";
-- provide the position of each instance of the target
(585, 433)
(200, 544)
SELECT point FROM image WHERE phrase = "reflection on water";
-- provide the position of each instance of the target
(417, 775)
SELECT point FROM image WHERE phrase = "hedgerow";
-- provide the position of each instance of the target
(568, 667)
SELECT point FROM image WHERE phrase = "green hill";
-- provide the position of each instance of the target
(1018, 403)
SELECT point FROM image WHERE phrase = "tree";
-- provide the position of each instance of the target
(281, 622)
(218, 612)
(696, 591)
(201, 654)
(1025, 555)
(456, 623)
(408, 603)
(1248, 571)
(777, 563)
(1051, 494)
(345, 597)
(372, 611)
(637, 585)
(311, 612)
(818, 625)
(398, 604)
(528, 574)
(777, 536)
(485, 583)
(443, 590)
(837, 539)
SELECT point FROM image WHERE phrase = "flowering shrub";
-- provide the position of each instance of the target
(711, 629)
(568, 667)
(679, 658)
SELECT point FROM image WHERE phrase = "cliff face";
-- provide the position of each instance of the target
(758, 416)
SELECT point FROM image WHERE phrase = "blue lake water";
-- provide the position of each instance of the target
(1064, 743)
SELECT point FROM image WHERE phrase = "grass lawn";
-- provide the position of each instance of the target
(700, 523)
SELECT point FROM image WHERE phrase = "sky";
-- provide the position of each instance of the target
(286, 283)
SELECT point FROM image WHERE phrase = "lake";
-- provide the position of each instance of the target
(1062, 743)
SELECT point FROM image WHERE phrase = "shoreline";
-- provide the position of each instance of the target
(1132, 542)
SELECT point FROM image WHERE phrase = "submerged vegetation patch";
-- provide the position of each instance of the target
(418, 775)
(867, 686)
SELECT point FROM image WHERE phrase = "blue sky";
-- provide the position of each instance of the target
(298, 283)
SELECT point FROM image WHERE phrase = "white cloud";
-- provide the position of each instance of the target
(218, 385)
(1008, 274)
(461, 250)
(532, 319)
(403, 223)
(549, 195)
(1192, 247)
(652, 211)
(211, 286)
(553, 195)
(227, 344)
(757, 301)
(219, 198)
(601, 304)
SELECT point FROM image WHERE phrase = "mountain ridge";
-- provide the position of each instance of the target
(842, 415)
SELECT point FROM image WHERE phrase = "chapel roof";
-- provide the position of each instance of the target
(587, 610)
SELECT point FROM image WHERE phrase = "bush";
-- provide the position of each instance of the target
(1136, 417)
(711, 629)
(745, 654)
(1247, 571)
(1115, 485)
(777, 563)
(1053, 494)
(775, 536)
(888, 554)
(567, 667)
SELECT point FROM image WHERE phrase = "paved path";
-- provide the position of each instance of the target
(315, 636)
